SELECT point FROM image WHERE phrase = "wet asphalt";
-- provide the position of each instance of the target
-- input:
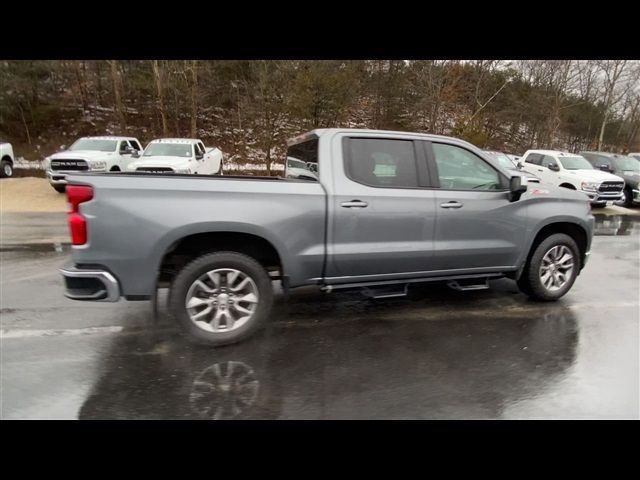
(437, 354)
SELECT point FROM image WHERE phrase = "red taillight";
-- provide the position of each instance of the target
(77, 194)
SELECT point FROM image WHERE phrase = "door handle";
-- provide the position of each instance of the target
(354, 204)
(540, 170)
(451, 204)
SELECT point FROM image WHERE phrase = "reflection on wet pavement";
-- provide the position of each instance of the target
(615, 224)
(378, 362)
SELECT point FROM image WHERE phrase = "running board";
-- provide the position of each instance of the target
(385, 292)
(405, 281)
(465, 288)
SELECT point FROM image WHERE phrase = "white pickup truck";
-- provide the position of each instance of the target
(573, 171)
(6, 159)
(93, 154)
(179, 155)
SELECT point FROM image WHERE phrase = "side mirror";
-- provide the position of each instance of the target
(519, 165)
(554, 167)
(199, 156)
(605, 168)
(135, 154)
(517, 186)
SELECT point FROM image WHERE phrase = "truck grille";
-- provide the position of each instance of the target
(63, 164)
(611, 187)
(154, 170)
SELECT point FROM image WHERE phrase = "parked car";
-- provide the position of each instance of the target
(389, 209)
(628, 168)
(574, 172)
(94, 154)
(6, 159)
(506, 162)
(299, 169)
(179, 155)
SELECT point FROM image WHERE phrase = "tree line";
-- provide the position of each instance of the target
(248, 108)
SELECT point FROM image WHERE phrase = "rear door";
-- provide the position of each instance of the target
(382, 210)
(477, 227)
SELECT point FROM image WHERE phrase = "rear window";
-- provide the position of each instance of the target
(302, 160)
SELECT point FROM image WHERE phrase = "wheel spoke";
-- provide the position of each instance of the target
(243, 310)
(249, 297)
(241, 285)
(204, 286)
(201, 314)
(196, 302)
(215, 278)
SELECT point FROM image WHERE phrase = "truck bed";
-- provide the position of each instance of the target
(134, 219)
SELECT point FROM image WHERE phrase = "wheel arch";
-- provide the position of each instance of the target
(184, 246)
(574, 230)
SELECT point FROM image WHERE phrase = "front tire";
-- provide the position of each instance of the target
(6, 169)
(221, 298)
(627, 199)
(552, 269)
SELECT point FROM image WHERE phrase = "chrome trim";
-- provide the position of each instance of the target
(108, 280)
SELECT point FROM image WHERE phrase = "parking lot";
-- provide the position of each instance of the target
(438, 354)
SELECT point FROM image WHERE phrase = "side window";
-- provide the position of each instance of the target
(459, 169)
(302, 160)
(533, 158)
(197, 148)
(381, 162)
(135, 145)
(547, 160)
(201, 147)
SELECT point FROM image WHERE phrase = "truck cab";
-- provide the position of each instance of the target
(91, 154)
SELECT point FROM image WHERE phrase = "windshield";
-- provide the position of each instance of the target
(168, 149)
(628, 164)
(95, 145)
(575, 163)
(503, 160)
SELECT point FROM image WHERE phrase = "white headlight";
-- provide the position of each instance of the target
(591, 186)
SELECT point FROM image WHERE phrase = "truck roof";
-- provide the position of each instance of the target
(111, 137)
(175, 140)
(318, 132)
(558, 153)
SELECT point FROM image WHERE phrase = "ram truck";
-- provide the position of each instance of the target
(574, 172)
(93, 154)
(178, 155)
(387, 210)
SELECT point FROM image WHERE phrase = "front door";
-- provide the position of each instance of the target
(477, 227)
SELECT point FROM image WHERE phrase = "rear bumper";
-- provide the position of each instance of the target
(90, 284)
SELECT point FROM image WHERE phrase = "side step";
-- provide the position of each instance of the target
(385, 291)
(467, 286)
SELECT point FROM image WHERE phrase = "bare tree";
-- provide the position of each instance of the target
(615, 85)
(158, 74)
(116, 81)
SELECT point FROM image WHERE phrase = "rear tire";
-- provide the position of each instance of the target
(533, 278)
(225, 303)
(6, 169)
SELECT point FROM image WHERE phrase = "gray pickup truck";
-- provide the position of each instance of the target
(387, 209)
